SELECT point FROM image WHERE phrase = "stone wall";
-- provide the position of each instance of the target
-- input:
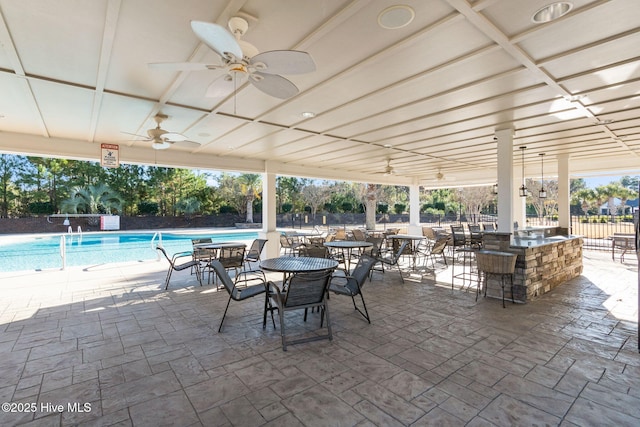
(539, 269)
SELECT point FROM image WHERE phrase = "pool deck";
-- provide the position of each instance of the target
(108, 335)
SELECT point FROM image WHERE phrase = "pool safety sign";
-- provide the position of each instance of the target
(109, 157)
(110, 222)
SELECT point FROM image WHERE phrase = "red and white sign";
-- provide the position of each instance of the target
(110, 156)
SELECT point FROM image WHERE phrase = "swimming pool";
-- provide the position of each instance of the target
(43, 252)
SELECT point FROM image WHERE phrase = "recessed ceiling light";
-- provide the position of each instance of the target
(552, 12)
(308, 114)
(388, 146)
(396, 17)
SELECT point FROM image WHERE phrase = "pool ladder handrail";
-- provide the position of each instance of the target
(63, 250)
(159, 235)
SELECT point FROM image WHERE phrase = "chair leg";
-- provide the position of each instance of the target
(326, 312)
(282, 331)
(364, 305)
(225, 313)
(166, 281)
(400, 271)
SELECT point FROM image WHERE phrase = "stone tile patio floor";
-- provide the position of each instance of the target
(110, 336)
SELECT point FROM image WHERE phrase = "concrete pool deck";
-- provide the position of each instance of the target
(109, 336)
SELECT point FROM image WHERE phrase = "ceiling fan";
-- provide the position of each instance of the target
(441, 177)
(241, 59)
(163, 139)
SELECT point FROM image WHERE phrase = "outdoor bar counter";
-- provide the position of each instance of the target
(545, 260)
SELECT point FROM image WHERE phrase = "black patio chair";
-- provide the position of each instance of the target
(304, 291)
(240, 294)
(394, 259)
(352, 285)
(174, 266)
(247, 272)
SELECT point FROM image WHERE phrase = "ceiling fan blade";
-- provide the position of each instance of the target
(187, 144)
(217, 38)
(284, 62)
(173, 137)
(142, 137)
(274, 85)
(183, 66)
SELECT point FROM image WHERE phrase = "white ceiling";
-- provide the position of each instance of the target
(74, 74)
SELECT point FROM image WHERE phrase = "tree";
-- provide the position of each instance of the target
(10, 166)
(473, 200)
(609, 193)
(92, 199)
(250, 188)
(315, 196)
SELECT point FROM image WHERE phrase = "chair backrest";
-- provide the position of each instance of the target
(224, 277)
(488, 226)
(439, 245)
(377, 244)
(232, 257)
(330, 238)
(200, 253)
(401, 251)
(457, 232)
(429, 233)
(315, 251)
(361, 272)
(340, 234)
(307, 288)
(358, 234)
(163, 252)
(396, 243)
(253, 254)
(284, 241)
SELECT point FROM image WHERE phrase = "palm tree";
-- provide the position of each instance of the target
(250, 186)
(92, 199)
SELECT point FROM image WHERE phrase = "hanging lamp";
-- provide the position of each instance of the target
(542, 193)
(523, 188)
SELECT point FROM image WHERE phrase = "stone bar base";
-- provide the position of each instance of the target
(540, 268)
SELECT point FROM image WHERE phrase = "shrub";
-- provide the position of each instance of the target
(148, 208)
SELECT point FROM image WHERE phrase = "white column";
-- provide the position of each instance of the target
(505, 180)
(272, 248)
(414, 208)
(564, 198)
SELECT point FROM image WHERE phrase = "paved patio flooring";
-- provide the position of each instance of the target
(109, 337)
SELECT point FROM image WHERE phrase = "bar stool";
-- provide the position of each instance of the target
(499, 264)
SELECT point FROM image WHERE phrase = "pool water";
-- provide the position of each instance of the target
(43, 252)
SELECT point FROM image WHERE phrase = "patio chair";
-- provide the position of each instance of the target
(240, 294)
(232, 258)
(488, 226)
(352, 285)
(438, 248)
(358, 234)
(304, 291)
(475, 236)
(202, 255)
(252, 256)
(289, 246)
(340, 234)
(315, 251)
(394, 259)
(174, 266)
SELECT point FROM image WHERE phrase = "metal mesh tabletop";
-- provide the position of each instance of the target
(298, 264)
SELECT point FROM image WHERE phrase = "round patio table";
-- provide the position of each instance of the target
(298, 264)
(414, 241)
(347, 247)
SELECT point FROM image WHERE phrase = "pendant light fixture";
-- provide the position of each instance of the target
(494, 188)
(523, 189)
(542, 194)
